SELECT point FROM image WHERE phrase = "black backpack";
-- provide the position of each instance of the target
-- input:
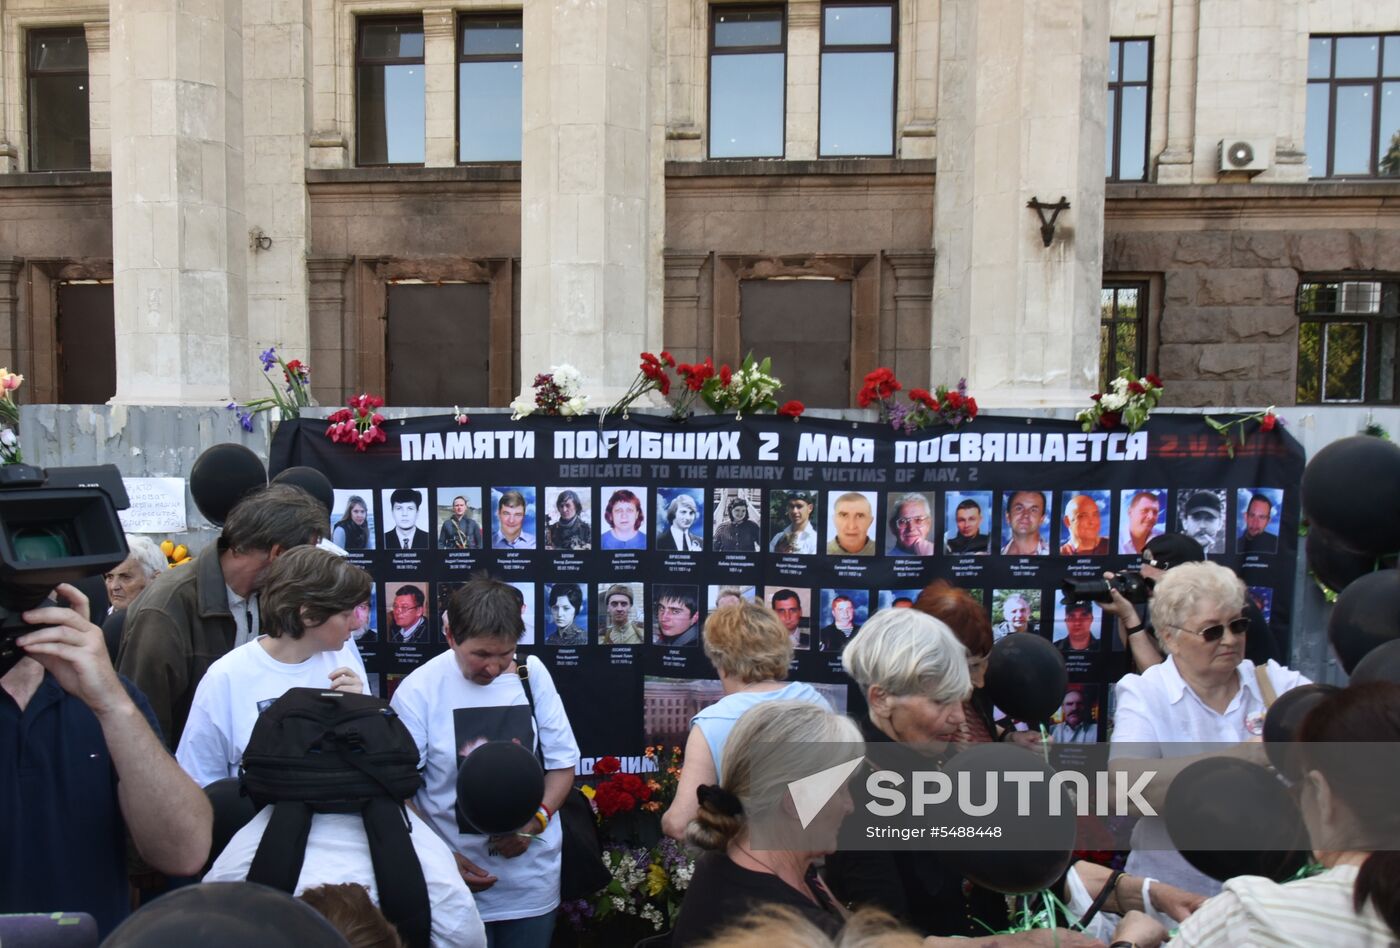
(314, 751)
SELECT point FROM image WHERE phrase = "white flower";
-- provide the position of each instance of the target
(567, 378)
(1120, 384)
(524, 404)
(1114, 401)
(577, 405)
(7, 438)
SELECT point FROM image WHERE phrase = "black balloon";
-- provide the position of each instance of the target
(1366, 615)
(1382, 663)
(500, 785)
(1232, 818)
(220, 478)
(1049, 840)
(226, 915)
(1332, 562)
(1026, 677)
(1349, 490)
(1281, 725)
(312, 481)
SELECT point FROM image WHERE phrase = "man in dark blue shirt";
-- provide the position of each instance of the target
(84, 766)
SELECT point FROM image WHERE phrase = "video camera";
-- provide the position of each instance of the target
(1130, 584)
(56, 526)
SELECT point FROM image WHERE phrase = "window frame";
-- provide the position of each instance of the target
(463, 18)
(711, 51)
(30, 74)
(891, 47)
(1374, 355)
(360, 61)
(1107, 358)
(1111, 173)
(1375, 83)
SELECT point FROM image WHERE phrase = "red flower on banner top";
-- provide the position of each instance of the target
(792, 409)
(607, 765)
(749, 388)
(880, 386)
(941, 407)
(1230, 430)
(358, 423)
(1127, 401)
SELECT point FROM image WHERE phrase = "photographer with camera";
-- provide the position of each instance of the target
(85, 766)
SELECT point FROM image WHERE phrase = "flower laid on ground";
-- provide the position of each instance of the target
(289, 398)
(9, 417)
(943, 407)
(358, 423)
(1234, 429)
(556, 392)
(1127, 403)
(746, 391)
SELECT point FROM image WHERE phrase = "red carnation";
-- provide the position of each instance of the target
(953, 401)
(1269, 422)
(1136, 388)
(1095, 397)
(792, 409)
(971, 407)
(1153, 380)
(1109, 419)
(725, 375)
(607, 765)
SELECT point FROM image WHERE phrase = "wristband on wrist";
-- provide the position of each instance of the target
(1124, 944)
(1134, 630)
(542, 819)
(548, 813)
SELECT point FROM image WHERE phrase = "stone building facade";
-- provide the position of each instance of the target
(842, 184)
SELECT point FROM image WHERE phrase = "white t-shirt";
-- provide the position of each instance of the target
(337, 850)
(446, 713)
(1159, 715)
(234, 691)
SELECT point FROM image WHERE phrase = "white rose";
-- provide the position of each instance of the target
(1114, 402)
(524, 404)
(575, 406)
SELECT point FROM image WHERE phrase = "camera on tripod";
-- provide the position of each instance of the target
(56, 526)
(1130, 584)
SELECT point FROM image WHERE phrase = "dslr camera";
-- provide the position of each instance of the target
(56, 526)
(1130, 584)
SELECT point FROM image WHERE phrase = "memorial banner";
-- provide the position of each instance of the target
(622, 539)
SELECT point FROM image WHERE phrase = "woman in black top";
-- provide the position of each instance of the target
(734, 878)
(351, 531)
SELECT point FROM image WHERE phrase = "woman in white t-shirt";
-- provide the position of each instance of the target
(1205, 695)
(307, 602)
(751, 650)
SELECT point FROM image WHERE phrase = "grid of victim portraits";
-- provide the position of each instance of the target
(737, 520)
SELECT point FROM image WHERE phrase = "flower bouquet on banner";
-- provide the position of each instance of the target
(287, 400)
(556, 392)
(944, 406)
(650, 872)
(751, 389)
(1126, 403)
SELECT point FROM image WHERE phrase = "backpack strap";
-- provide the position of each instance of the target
(277, 862)
(1266, 687)
(403, 891)
(523, 671)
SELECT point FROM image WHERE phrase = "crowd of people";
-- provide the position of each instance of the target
(119, 735)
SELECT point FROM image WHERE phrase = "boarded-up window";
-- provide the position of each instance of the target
(87, 344)
(805, 326)
(439, 344)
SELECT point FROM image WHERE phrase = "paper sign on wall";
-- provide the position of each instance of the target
(157, 505)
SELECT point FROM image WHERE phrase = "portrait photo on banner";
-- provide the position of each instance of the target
(793, 521)
(897, 599)
(1025, 526)
(624, 518)
(850, 523)
(566, 614)
(526, 592)
(735, 512)
(1085, 522)
(408, 620)
(728, 594)
(1076, 721)
(406, 516)
(968, 517)
(1258, 519)
(680, 519)
(1201, 516)
(568, 515)
(352, 519)
(1015, 610)
(793, 604)
(513, 518)
(459, 518)
(1077, 625)
(366, 631)
(622, 614)
(844, 611)
(1142, 515)
(676, 623)
(910, 528)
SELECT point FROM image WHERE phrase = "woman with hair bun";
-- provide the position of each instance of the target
(737, 874)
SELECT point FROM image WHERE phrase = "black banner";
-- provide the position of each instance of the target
(622, 539)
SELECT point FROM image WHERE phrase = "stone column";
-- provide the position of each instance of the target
(334, 332)
(179, 236)
(99, 49)
(1022, 91)
(590, 245)
(1175, 163)
(440, 82)
(804, 24)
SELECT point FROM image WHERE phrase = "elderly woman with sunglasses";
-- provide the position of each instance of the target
(1205, 693)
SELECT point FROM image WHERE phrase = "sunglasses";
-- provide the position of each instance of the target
(1217, 632)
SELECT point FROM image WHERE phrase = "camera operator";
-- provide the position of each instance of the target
(85, 766)
(1134, 622)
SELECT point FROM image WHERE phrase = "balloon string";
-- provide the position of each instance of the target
(1045, 742)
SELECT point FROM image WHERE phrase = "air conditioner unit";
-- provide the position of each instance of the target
(1244, 154)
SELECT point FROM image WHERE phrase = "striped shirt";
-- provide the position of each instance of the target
(1254, 911)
